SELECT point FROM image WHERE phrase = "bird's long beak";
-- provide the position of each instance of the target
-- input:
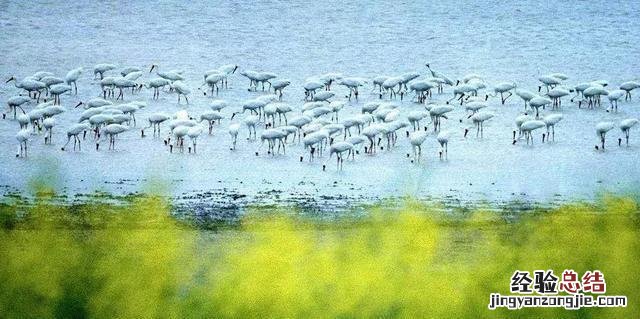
(152, 67)
(9, 80)
(78, 105)
(232, 115)
(234, 69)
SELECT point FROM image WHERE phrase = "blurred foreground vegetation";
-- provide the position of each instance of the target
(136, 261)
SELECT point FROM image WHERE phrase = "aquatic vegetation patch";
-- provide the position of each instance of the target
(134, 259)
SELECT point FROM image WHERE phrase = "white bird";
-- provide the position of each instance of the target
(23, 138)
(370, 107)
(156, 84)
(356, 141)
(233, 132)
(528, 127)
(310, 88)
(30, 85)
(550, 121)
(74, 131)
(273, 137)
(23, 121)
(41, 74)
(438, 112)
(323, 96)
(526, 96)
(123, 83)
(471, 77)
(422, 89)
(504, 87)
(377, 82)
(443, 140)
(254, 106)
(299, 122)
(538, 102)
(560, 76)
(601, 130)
(179, 132)
(628, 87)
(593, 94)
(250, 122)
(48, 124)
(313, 140)
(154, 121)
(407, 77)
(193, 134)
(417, 138)
(108, 84)
(228, 69)
(474, 107)
(50, 81)
(352, 84)
(130, 110)
(328, 78)
(16, 102)
(34, 118)
(614, 96)
(461, 91)
(625, 127)
(414, 118)
(389, 85)
(270, 111)
(98, 120)
(218, 105)
(282, 110)
(339, 149)
(556, 95)
(440, 75)
(181, 89)
(211, 117)
(100, 69)
(128, 70)
(72, 78)
(579, 89)
(57, 90)
(133, 76)
(94, 103)
(549, 82)
(519, 120)
(371, 132)
(212, 80)
(171, 76)
(279, 85)
(479, 119)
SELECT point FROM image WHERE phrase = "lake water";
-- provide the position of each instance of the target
(501, 40)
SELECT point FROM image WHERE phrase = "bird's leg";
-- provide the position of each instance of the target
(626, 135)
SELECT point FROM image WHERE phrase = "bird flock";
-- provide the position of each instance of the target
(311, 121)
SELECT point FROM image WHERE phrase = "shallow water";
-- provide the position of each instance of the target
(501, 41)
